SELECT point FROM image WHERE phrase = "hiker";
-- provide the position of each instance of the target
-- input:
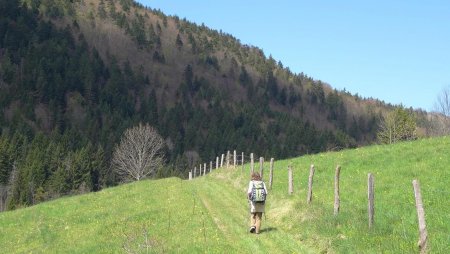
(256, 195)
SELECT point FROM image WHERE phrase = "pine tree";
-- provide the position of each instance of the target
(5, 161)
(179, 42)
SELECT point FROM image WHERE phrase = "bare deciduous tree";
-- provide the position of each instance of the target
(442, 104)
(139, 153)
(438, 124)
(440, 120)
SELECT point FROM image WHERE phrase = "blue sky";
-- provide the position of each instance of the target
(396, 51)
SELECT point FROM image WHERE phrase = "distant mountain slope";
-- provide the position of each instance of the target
(75, 74)
(209, 214)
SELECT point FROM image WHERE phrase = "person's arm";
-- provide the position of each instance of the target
(249, 190)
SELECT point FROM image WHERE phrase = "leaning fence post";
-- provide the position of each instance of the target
(252, 163)
(291, 180)
(336, 190)
(371, 195)
(423, 235)
(261, 166)
(234, 160)
(310, 184)
(271, 173)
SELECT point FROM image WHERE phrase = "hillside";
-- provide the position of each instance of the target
(74, 75)
(180, 216)
(98, 67)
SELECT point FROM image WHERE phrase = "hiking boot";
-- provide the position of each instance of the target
(252, 229)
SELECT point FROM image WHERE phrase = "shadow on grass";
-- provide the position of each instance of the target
(266, 230)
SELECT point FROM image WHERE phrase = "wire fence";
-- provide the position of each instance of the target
(235, 160)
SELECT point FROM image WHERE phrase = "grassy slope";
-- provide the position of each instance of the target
(188, 217)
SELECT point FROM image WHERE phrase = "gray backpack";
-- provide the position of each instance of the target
(258, 194)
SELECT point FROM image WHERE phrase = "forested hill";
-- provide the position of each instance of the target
(75, 74)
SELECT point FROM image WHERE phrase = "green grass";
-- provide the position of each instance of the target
(175, 216)
(394, 167)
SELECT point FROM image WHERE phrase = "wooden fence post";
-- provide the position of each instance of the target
(371, 196)
(195, 172)
(336, 190)
(210, 166)
(242, 161)
(217, 162)
(190, 175)
(310, 184)
(261, 167)
(200, 171)
(204, 169)
(271, 174)
(423, 235)
(234, 160)
(228, 159)
(221, 161)
(252, 163)
(291, 180)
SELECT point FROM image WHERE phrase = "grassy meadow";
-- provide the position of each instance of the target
(210, 214)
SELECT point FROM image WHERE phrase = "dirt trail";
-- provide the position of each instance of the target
(229, 211)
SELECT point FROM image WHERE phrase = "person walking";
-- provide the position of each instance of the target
(256, 195)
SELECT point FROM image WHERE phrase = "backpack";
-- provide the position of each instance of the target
(258, 194)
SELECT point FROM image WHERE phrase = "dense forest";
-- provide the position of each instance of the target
(65, 99)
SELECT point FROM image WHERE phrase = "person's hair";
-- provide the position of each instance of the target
(256, 176)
